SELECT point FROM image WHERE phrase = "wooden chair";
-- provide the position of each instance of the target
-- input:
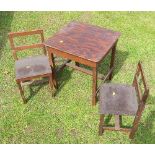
(30, 67)
(120, 99)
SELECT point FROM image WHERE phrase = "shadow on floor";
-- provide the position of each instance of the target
(35, 87)
(5, 27)
(146, 130)
(103, 68)
(64, 76)
(120, 58)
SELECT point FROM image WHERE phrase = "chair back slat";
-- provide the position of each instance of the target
(20, 48)
(25, 33)
(142, 96)
(15, 49)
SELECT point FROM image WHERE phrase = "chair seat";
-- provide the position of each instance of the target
(32, 67)
(118, 99)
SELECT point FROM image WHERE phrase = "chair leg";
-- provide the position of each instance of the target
(134, 128)
(101, 124)
(136, 122)
(51, 84)
(118, 122)
(21, 91)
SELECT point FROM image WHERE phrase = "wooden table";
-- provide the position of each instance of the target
(84, 44)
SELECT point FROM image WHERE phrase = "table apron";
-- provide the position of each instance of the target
(71, 57)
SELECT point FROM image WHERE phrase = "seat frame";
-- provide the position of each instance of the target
(141, 105)
(16, 49)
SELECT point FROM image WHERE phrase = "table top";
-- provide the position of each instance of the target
(85, 41)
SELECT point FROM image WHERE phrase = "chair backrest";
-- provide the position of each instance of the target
(139, 77)
(15, 49)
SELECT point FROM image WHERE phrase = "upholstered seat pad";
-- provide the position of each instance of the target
(32, 66)
(118, 99)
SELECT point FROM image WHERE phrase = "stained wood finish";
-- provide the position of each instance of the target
(15, 49)
(85, 41)
(25, 33)
(120, 129)
(94, 96)
(28, 47)
(30, 67)
(65, 55)
(21, 91)
(142, 96)
(112, 59)
(118, 101)
(117, 122)
(84, 44)
(101, 130)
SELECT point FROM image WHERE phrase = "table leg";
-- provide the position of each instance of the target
(94, 86)
(112, 60)
(52, 63)
(52, 60)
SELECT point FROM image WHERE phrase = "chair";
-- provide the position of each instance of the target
(30, 67)
(121, 99)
